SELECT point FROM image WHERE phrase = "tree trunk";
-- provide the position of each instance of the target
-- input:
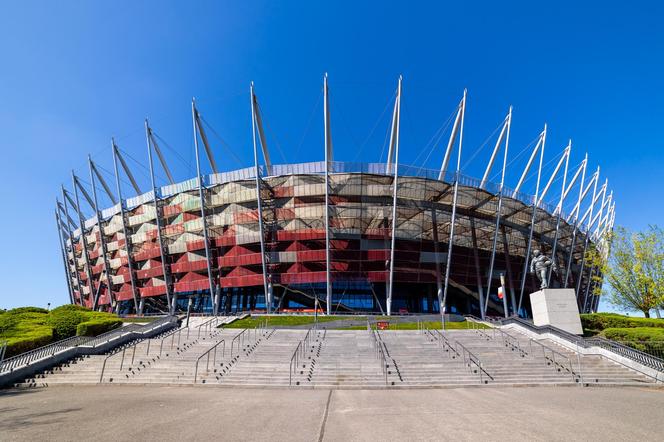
(657, 313)
(646, 313)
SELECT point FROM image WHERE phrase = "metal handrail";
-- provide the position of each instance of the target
(552, 360)
(378, 349)
(300, 351)
(214, 358)
(239, 337)
(445, 344)
(159, 323)
(171, 334)
(470, 358)
(629, 352)
(633, 354)
(3, 351)
(513, 342)
(294, 359)
(207, 325)
(26, 358)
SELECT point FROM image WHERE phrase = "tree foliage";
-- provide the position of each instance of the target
(635, 269)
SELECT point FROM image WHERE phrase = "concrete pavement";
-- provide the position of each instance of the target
(192, 413)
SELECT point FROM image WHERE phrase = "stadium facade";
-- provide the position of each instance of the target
(343, 237)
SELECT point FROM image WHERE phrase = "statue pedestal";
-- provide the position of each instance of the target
(556, 307)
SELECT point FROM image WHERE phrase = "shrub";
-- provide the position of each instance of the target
(26, 328)
(641, 334)
(64, 322)
(96, 327)
(601, 321)
(71, 308)
(7, 322)
(26, 341)
(27, 310)
(647, 339)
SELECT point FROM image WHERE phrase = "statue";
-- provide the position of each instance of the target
(540, 265)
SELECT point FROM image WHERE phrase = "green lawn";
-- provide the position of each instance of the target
(288, 320)
(139, 320)
(292, 320)
(428, 324)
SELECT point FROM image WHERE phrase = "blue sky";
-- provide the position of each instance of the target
(73, 74)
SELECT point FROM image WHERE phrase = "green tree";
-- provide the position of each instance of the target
(635, 269)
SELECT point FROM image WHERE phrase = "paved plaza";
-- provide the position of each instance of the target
(112, 413)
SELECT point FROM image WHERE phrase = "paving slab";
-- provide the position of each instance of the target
(122, 412)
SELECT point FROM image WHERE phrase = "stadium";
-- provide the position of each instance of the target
(332, 236)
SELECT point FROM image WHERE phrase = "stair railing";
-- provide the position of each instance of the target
(295, 360)
(3, 351)
(300, 353)
(26, 358)
(470, 359)
(207, 325)
(378, 349)
(239, 338)
(445, 344)
(639, 356)
(549, 355)
(213, 350)
(513, 343)
(171, 334)
(616, 348)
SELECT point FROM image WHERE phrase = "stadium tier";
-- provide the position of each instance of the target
(342, 237)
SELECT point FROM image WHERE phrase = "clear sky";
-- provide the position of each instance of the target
(75, 73)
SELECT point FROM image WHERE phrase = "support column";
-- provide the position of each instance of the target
(506, 130)
(130, 259)
(84, 242)
(394, 141)
(166, 272)
(480, 289)
(508, 270)
(64, 257)
(439, 281)
(532, 221)
(560, 210)
(102, 240)
(454, 204)
(73, 251)
(266, 288)
(328, 158)
(201, 196)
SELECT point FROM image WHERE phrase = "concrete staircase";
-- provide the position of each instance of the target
(338, 359)
(347, 360)
(589, 369)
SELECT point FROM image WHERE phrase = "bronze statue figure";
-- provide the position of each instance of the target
(540, 265)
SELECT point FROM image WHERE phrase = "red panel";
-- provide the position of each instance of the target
(150, 273)
(172, 210)
(148, 253)
(242, 260)
(189, 286)
(182, 267)
(195, 245)
(153, 291)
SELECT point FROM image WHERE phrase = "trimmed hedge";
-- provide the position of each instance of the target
(641, 334)
(37, 337)
(97, 326)
(596, 322)
(27, 328)
(27, 310)
(65, 319)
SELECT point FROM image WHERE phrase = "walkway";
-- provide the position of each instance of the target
(110, 413)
